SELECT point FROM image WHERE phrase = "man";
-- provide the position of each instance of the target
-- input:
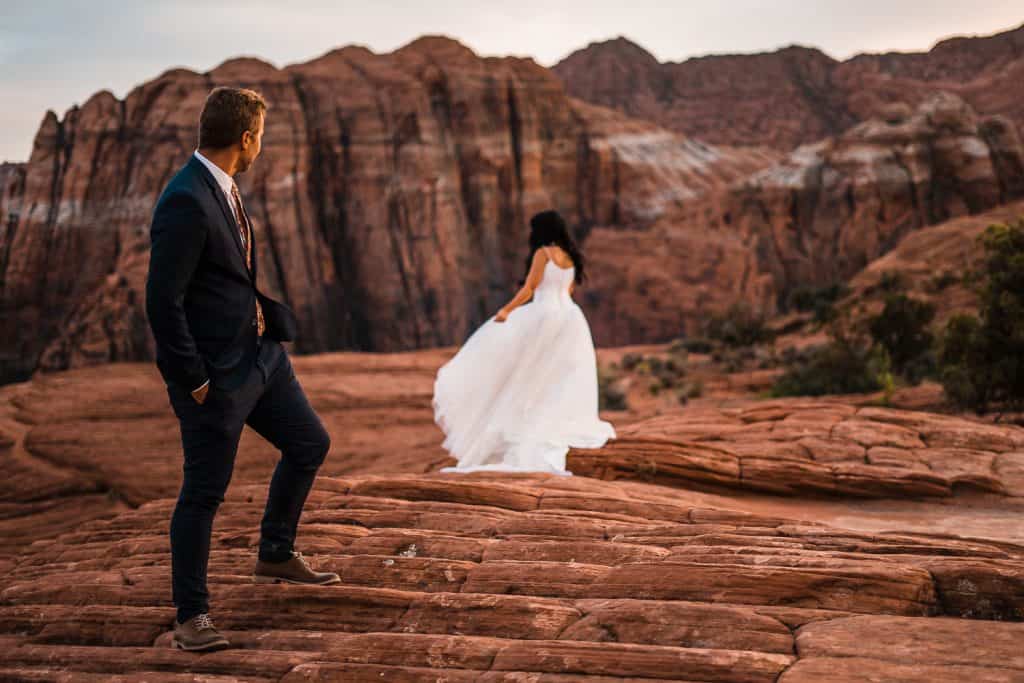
(218, 348)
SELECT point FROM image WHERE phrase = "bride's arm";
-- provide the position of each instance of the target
(533, 279)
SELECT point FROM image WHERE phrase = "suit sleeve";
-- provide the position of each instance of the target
(177, 237)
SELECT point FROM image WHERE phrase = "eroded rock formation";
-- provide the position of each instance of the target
(795, 95)
(393, 194)
(816, 218)
(930, 264)
(868, 562)
(834, 206)
(391, 200)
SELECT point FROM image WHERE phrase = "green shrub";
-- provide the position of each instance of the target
(740, 325)
(838, 367)
(892, 281)
(942, 281)
(817, 300)
(610, 391)
(665, 373)
(677, 350)
(693, 345)
(630, 361)
(962, 363)
(689, 390)
(807, 297)
(902, 329)
(981, 359)
(669, 373)
(734, 360)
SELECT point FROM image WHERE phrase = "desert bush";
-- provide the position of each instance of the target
(892, 281)
(902, 329)
(734, 359)
(817, 300)
(850, 363)
(866, 354)
(665, 373)
(740, 325)
(692, 345)
(942, 281)
(611, 391)
(630, 361)
(689, 390)
(981, 358)
(677, 350)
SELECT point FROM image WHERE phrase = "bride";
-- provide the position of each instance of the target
(523, 388)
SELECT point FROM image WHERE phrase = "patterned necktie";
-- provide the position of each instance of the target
(245, 231)
(243, 222)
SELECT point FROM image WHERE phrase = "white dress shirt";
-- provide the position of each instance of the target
(225, 182)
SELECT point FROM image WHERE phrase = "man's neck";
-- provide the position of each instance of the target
(225, 159)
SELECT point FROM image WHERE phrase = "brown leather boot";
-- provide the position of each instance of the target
(293, 570)
(198, 634)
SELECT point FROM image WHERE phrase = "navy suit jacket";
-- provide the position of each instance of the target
(200, 295)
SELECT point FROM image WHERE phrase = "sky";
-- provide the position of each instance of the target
(54, 53)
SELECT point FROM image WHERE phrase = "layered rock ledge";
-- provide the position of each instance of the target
(774, 573)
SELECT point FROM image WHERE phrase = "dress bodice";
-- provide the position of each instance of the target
(554, 286)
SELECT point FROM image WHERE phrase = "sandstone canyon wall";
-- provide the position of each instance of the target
(393, 193)
(797, 94)
(815, 218)
(391, 200)
(833, 206)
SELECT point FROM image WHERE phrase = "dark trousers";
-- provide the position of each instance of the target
(272, 402)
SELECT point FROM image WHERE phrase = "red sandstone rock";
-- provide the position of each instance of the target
(818, 217)
(833, 207)
(719, 607)
(930, 264)
(391, 200)
(795, 95)
(729, 540)
(448, 154)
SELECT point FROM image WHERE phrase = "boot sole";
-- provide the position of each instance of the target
(215, 645)
(278, 579)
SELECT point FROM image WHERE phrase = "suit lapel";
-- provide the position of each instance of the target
(218, 195)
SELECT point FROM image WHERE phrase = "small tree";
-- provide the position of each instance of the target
(740, 325)
(848, 364)
(902, 329)
(818, 300)
(981, 359)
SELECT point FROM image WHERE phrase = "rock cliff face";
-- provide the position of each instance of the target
(832, 207)
(929, 265)
(795, 95)
(12, 188)
(817, 217)
(391, 200)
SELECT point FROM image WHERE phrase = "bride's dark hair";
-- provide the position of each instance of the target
(548, 227)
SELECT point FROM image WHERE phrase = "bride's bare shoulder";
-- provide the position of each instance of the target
(559, 256)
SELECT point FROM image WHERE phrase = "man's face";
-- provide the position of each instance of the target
(252, 143)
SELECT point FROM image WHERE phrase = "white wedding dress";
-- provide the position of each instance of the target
(518, 394)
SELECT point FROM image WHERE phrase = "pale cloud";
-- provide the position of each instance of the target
(54, 53)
